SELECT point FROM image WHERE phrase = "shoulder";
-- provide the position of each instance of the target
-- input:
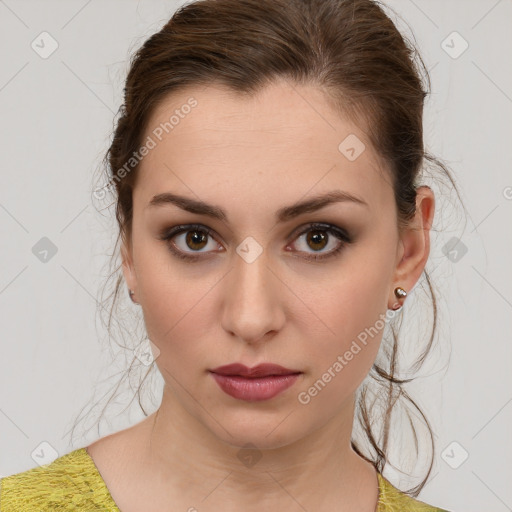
(70, 482)
(392, 499)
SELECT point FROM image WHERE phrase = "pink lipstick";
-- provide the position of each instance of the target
(261, 382)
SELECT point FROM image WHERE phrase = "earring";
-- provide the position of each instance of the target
(400, 293)
(131, 296)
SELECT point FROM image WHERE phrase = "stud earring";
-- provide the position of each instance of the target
(131, 296)
(400, 293)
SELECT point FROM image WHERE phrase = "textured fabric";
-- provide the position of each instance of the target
(72, 483)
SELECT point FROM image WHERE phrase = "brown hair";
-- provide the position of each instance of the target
(352, 51)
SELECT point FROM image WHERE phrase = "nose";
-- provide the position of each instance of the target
(252, 308)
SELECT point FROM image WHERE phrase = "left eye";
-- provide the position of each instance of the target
(316, 234)
(320, 236)
(195, 237)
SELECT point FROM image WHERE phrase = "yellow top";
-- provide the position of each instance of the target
(73, 483)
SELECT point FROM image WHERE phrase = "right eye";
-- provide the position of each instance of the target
(191, 236)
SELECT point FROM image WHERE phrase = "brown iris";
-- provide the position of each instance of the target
(195, 238)
(316, 237)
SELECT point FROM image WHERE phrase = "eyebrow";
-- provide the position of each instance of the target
(282, 215)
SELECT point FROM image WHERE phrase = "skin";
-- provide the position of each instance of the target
(252, 157)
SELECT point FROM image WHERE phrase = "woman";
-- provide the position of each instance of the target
(266, 168)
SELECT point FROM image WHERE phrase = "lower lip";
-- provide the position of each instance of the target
(254, 389)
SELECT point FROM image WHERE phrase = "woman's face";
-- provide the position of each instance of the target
(252, 291)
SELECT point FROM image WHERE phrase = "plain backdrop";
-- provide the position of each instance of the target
(57, 114)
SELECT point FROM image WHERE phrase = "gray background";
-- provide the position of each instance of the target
(56, 119)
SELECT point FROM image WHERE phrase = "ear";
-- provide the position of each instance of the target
(127, 266)
(414, 244)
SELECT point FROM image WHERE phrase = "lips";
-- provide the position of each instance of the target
(256, 384)
(261, 370)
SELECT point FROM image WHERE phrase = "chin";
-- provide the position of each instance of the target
(264, 433)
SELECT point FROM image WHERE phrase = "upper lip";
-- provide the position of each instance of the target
(261, 370)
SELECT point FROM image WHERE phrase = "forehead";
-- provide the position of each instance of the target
(279, 144)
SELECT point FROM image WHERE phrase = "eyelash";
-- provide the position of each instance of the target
(338, 233)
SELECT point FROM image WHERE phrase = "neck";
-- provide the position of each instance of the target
(315, 472)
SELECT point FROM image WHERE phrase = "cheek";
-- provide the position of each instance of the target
(350, 309)
(175, 303)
